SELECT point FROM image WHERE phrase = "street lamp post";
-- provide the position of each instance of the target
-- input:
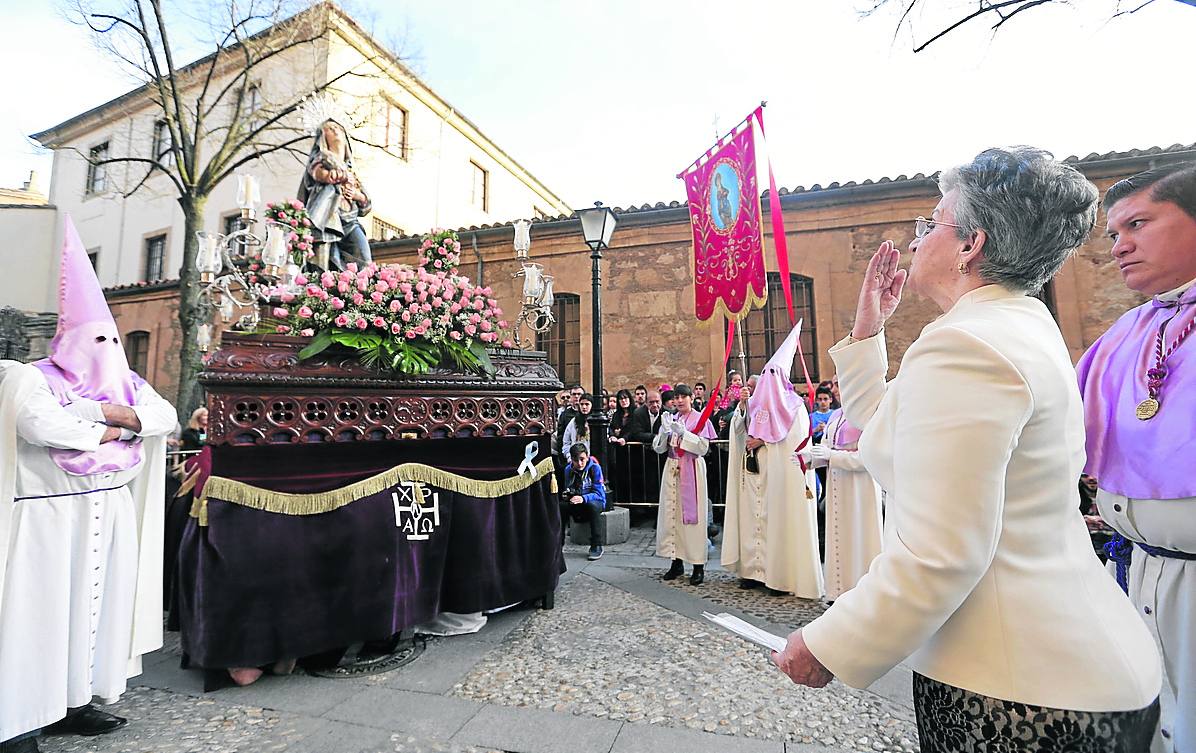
(597, 225)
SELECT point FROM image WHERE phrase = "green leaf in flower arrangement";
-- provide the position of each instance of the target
(318, 344)
(416, 360)
(478, 348)
(357, 340)
(373, 357)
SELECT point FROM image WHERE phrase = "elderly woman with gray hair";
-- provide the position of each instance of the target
(987, 586)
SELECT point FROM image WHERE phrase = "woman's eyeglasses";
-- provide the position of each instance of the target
(924, 227)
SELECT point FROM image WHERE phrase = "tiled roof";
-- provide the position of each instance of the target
(134, 287)
(1090, 159)
(1149, 152)
(817, 187)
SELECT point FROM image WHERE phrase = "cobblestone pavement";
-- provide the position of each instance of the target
(603, 656)
(606, 653)
(166, 722)
(171, 722)
(722, 587)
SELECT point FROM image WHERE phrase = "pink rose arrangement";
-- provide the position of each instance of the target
(300, 238)
(396, 317)
(440, 251)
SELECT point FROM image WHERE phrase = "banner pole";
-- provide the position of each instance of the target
(742, 356)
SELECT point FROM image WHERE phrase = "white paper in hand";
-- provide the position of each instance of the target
(747, 631)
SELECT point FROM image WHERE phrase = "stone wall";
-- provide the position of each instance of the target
(153, 309)
(650, 334)
(25, 336)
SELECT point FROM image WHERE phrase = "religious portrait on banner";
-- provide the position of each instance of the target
(724, 211)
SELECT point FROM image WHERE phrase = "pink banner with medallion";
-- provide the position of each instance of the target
(725, 217)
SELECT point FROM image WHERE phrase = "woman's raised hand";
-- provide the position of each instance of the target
(880, 293)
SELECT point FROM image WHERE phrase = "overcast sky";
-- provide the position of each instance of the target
(608, 101)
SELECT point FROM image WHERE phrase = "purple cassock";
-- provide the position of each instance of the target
(1152, 458)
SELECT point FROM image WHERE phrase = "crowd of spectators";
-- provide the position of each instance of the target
(633, 419)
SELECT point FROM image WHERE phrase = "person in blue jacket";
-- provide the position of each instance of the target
(584, 497)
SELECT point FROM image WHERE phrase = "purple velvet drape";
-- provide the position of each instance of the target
(255, 587)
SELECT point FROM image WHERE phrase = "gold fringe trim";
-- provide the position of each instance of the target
(199, 510)
(240, 493)
(188, 482)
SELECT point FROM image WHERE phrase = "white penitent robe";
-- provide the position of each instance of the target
(1164, 591)
(80, 556)
(675, 538)
(771, 525)
(854, 521)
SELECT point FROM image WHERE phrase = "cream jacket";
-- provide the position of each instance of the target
(987, 580)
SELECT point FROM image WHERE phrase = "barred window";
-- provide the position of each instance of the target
(137, 351)
(250, 107)
(765, 329)
(232, 223)
(1047, 296)
(155, 257)
(562, 341)
(396, 129)
(162, 141)
(97, 174)
(481, 187)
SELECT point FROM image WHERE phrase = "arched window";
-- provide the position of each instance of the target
(765, 329)
(563, 338)
(137, 351)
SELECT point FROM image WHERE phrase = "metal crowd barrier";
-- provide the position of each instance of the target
(633, 473)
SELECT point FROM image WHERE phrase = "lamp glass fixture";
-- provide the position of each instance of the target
(203, 337)
(275, 253)
(597, 225)
(208, 258)
(533, 281)
(523, 238)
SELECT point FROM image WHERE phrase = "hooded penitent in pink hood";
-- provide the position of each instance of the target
(774, 405)
(87, 358)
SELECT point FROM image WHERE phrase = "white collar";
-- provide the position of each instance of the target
(1173, 295)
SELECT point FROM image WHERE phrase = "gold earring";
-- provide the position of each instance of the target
(963, 267)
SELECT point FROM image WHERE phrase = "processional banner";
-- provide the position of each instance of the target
(724, 215)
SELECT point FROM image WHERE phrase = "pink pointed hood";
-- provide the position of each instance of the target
(87, 357)
(774, 405)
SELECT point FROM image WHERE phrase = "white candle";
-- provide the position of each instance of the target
(276, 246)
(248, 192)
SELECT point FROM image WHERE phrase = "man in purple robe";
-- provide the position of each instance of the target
(1139, 387)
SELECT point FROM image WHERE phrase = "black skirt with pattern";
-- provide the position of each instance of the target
(953, 720)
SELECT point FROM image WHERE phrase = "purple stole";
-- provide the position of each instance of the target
(687, 487)
(846, 436)
(1142, 459)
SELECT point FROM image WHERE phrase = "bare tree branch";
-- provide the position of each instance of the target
(213, 129)
(1120, 13)
(230, 169)
(985, 7)
(1004, 10)
(1017, 10)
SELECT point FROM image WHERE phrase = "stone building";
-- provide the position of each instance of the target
(650, 334)
(423, 163)
(27, 219)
